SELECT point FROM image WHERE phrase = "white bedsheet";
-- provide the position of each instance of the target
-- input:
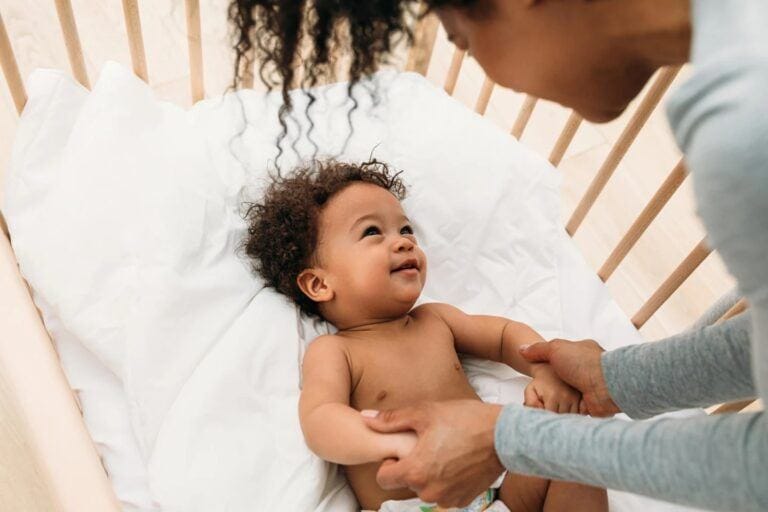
(124, 213)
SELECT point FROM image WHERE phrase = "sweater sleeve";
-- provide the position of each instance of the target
(693, 369)
(716, 462)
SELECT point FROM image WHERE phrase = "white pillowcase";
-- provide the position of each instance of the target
(125, 217)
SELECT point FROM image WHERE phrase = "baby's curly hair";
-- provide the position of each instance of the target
(283, 226)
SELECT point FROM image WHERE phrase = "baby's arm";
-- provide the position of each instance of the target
(488, 337)
(332, 429)
(499, 339)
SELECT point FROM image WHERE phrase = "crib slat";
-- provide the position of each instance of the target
(11, 69)
(4, 226)
(736, 309)
(424, 36)
(135, 38)
(672, 283)
(732, 407)
(195, 42)
(523, 116)
(453, 71)
(619, 149)
(565, 138)
(485, 96)
(72, 41)
(638, 227)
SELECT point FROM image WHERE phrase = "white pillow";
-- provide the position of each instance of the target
(124, 213)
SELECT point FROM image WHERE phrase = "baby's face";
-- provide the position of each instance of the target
(370, 256)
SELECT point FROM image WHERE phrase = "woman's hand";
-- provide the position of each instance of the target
(547, 391)
(578, 364)
(454, 459)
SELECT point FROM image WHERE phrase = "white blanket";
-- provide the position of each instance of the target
(125, 217)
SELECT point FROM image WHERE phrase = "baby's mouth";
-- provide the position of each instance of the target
(409, 266)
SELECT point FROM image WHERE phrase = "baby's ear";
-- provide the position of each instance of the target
(312, 282)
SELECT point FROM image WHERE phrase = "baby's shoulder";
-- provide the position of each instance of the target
(434, 310)
(327, 345)
(434, 314)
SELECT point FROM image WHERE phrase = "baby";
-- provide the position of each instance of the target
(334, 238)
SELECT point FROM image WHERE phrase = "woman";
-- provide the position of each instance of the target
(596, 56)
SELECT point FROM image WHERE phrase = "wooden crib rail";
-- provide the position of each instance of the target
(72, 41)
(135, 38)
(453, 71)
(195, 42)
(481, 105)
(424, 35)
(691, 262)
(638, 227)
(565, 138)
(523, 116)
(648, 103)
(57, 442)
(11, 69)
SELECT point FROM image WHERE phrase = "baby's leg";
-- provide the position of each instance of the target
(524, 493)
(572, 497)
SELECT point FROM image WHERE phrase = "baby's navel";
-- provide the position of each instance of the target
(381, 396)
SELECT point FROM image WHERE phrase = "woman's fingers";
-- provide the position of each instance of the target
(395, 420)
(391, 474)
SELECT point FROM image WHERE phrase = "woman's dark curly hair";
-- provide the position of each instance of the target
(285, 35)
(283, 226)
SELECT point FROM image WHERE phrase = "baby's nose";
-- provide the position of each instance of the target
(404, 244)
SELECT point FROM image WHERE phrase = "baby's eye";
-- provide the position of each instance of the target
(406, 230)
(370, 231)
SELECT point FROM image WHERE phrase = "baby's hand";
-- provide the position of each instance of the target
(547, 391)
(399, 444)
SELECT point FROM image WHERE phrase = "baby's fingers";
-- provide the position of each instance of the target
(532, 398)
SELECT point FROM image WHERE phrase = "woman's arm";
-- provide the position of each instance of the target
(716, 462)
(332, 429)
(692, 369)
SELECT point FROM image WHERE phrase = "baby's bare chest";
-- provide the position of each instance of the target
(404, 370)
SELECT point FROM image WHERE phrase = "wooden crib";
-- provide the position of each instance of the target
(54, 465)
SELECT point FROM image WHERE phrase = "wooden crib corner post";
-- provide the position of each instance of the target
(56, 440)
(11, 69)
(424, 36)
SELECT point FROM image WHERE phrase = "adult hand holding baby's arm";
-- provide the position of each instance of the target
(579, 364)
(332, 429)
